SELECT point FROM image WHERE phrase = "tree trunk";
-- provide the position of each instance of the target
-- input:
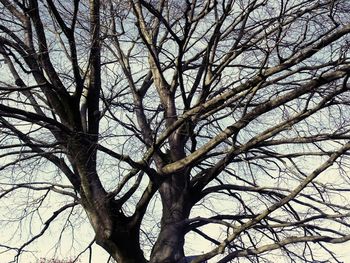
(120, 236)
(170, 242)
(116, 233)
(124, 244)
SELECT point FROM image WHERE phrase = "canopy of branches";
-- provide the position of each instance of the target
(161, 125)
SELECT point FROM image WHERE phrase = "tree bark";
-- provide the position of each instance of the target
(169, 245)
(123, 245)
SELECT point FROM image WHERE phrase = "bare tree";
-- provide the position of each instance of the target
(165, 119)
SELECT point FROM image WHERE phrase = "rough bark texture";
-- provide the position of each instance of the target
(175, 209)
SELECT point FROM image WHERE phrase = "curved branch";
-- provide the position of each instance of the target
(281, 244)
